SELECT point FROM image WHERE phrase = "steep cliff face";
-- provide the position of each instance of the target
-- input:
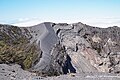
(44, 48)
(91, 49)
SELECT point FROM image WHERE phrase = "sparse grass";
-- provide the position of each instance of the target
(15, 48)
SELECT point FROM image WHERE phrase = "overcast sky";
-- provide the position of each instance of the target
(101, 13)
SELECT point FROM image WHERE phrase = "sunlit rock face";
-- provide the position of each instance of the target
(90, 48)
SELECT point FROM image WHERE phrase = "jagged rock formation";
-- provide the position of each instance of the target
(91, 49)
(43, 48)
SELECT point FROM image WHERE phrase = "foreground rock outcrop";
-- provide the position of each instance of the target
(49, 49)
(14, 72)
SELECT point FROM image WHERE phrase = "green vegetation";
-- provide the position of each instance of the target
(15, 48)
(20, 54)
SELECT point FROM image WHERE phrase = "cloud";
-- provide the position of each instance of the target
(104, 22)
(98, 22)
(25, 22)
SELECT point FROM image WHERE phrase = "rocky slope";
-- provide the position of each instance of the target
(15, 47)
(54, 49)
(91, 48)
(32, 48)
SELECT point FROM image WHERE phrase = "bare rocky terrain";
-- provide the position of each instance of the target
(62, 51)
(82, 76)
